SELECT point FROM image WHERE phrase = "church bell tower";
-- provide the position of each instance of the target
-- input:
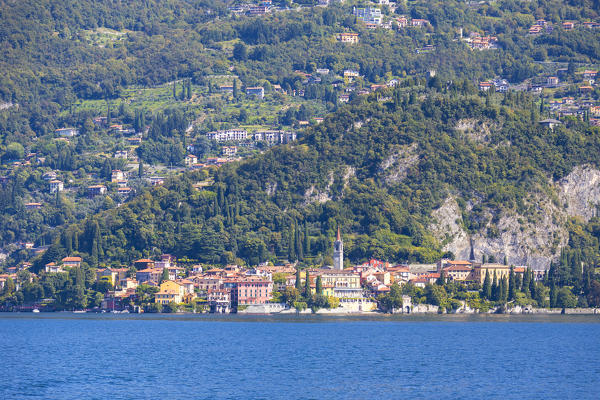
(338, 252)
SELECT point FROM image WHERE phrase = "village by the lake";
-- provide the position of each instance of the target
(171, 286)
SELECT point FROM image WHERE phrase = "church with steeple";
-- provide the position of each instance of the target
(338, 252)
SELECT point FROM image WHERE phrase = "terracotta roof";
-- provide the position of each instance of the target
(457, 268)
(157, 270)
(459, 262)
(71, 259)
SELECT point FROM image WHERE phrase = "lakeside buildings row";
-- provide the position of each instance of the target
(231, 288)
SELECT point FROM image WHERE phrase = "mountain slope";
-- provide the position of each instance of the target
(393, 174)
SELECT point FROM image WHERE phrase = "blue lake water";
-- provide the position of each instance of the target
(74, 356)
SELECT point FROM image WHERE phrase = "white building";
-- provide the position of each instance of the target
(67, 132)
(230, 135)
(56, 186)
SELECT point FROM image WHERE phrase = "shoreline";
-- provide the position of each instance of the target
(310, 317)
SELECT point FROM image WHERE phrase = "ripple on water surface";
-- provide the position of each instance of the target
(66, 356)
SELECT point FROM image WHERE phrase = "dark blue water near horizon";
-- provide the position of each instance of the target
(67, 356)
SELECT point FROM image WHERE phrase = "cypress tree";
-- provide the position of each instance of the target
(483, 259)
(587, 280)
(553, 295)
(298, 282)
(108, 116)
(495, 295)
(319, 285)
(291, 246)
(306, 240)
(98, 239)
(94, 255)
(68, 242)
(142, 120)
(442, 279)
(500, 289)
(504, 290)
(487, 286)
(525, 286)
(164, 276)
(511, 283)
(576, 273)
(532, 286)
(307, 292)
(141, 169)
(298, 242)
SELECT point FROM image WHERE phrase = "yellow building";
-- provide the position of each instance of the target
(479, 272)
(342, 278)
(344, 284)
(169, 292)
(327, 290)
(458, 272)
(348, 37)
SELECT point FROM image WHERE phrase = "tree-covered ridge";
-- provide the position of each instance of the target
(287, 202)
(57, 55)
(50, 62)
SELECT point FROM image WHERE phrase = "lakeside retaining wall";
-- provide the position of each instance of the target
(367, 307)
(346, 307)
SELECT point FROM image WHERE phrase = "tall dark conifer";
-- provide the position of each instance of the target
(511, 283)
(298, 279)
(307, 292)
(487, 286)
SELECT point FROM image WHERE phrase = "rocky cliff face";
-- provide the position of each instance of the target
(535, 239)
(580, 192)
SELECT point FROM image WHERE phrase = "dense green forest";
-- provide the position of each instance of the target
(57, 56)
(261, 208)
(51, 62)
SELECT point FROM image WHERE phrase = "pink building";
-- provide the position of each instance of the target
(251, 291)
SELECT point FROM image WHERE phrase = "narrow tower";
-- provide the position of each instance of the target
(338, 252)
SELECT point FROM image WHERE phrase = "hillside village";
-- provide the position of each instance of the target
(168, 285)
(113, 142)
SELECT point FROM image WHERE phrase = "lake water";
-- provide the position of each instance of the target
(83, 356)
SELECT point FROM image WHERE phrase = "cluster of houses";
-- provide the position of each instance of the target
(227, 289)
(233, 288)
(477, 42)
(263, 7)
(405, 22)
(585, 105)
(581, 107)
(373, 18)
(271, 137)
(253, 9)
(118, 177)
(542, 26)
